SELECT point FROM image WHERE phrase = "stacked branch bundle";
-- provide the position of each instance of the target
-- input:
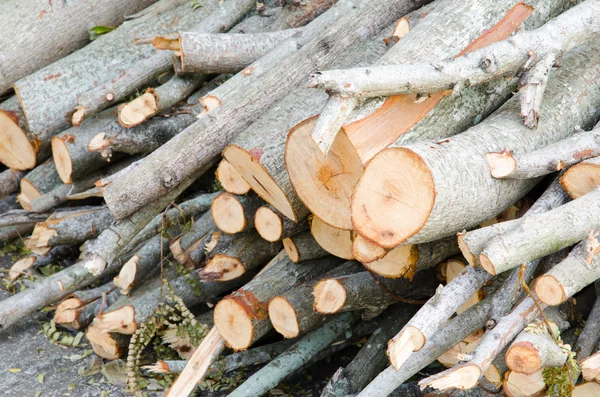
(206, 187)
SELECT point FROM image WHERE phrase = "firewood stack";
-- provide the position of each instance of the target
(421, 174)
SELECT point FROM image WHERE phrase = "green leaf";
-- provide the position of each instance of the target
(40, 378)
(98, 31)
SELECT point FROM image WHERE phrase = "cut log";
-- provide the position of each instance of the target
(231, 256)
(77, 73)
(578, 270)
(286, 363)
(406, 260)
(273, 226)
(31, 262)
(376, 124)
(522, 385)
(12, 119)
(140, 266)
(582, 178)
(408, 212)
(38, 182)
(292, 313)
(556, 157)
(70, 228)
(9, 181)
(591, 389)
(48, 32)
(496, 372)
(78, 309)
(365, 251)
(276, 73)
(303, 247)
(548, 232)
(457, 353)
(105, 345)
(364, 291)
(531, 352)
(189, 248)
(231, 180)
(234, 214)
(337, 242)
(241, 317)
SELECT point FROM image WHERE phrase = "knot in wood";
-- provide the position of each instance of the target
(485, 63)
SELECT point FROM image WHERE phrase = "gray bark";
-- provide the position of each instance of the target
(461, 155)
(275, 73)
(9, 203)
(9, 181)
(188, 249)
(303, 247)
(37, 34)
(589, 336)
(50, 94)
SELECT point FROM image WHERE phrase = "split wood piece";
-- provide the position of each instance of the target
(365, 251)
(363, 291)
(9, 203)
(241, 317)
(588, 389)
(155, 100)
(473, 242)
(292, 313)
(376, 124)
(78, 309)
(77, 73)
(189, 248)
(231, 256)
(549, 232)
(29, 263)
(286, 363)
(234, 214)
(406, 260)
(452, 269)
(578, 270)
(273, 226)
(522, 385)
(231, 180)
(100, 138)
(371, 358)
(100, 257)
(12, 120)
(140, 266)
(76, 190)
(582, 178)
(408, 213)
(41, 180)
(336, 241)
(303, 247)
(433, 314)
(451, 333)
(9, 181)
(467, 374)
(222, 52)
(106, 345)
(457, 353)
(530, 352)
(556, 157)
(48, 32)
(70, 228)
(276, 73)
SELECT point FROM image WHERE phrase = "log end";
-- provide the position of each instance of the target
(283, 317)
(330, 296)
(21, 267)
(501, 164)
(397, 263)
(463, 377)
(590, 367)
(16, 151)
(104, 344)
(177, 251)
(41, 235)
(121, 320)
(522, 385)
(62, 158)
(581, 179)
(126, 277)
(487, 264)
(365, 251)
(393, 198)
(222, 268)
(403, 345)
(523, 357)
(67, 313)
(268, 224)
(231, 180)
(139, 110)
(78, 116)
(234, 323)
(228, 213)
(27, 194)
(247, 163)
(291, 250)
(589, 389)
(324, 183)
(464, 249)
(549, 290)
(336, 241)
(493, 375)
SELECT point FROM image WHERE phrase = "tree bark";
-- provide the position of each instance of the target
(188, 249)
(199, 144)
(303, 247)
(234, 214)
(337, 242)
(38, 182)
(552, 158)
(9, 181)
(140, 266)
(379, 216)
(531, 352)
(231, 180)
(292, 313)
(76, 73)
(377, 123)
(539, 235)
(241, 317)
(9, 203)
(582, 178)
(274, 226)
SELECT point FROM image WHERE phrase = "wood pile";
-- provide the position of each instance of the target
(229, 184)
